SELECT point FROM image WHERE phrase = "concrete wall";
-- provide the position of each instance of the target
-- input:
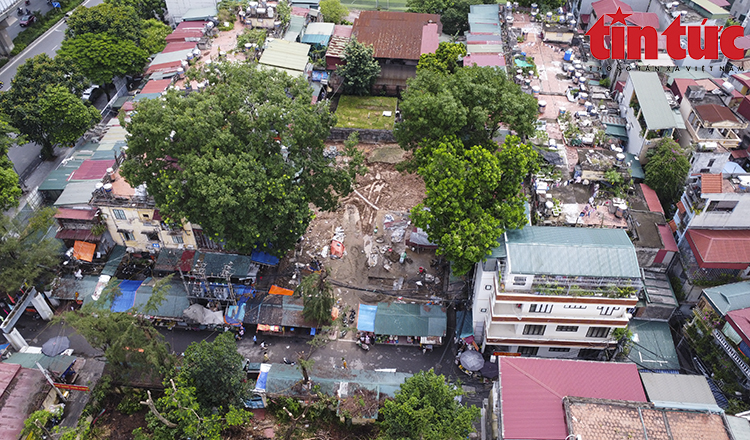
(366, 136)
(139, 221)
(700, 160)
(737, 219)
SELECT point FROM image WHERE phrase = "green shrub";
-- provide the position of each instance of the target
(131, 401)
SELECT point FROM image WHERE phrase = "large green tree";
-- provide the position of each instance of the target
(317, 297)
(120, 21)
(147, 9)
(214, 369)
(26, 256)
(333, 11)
(244, 159)
(101, 57)
(472, 196)
(666, 171)
(23, 102)
(154, 36)
(10, 190)
(444, 59)
(361, 69)
(470, 104)
(454, 14)
(66, 117)
(425, 408)
(129, 341)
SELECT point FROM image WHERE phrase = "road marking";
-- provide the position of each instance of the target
(56, 46)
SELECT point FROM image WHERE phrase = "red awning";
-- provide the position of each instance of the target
(276, 290)
(75, 214)
(84, 251)
(681, 207)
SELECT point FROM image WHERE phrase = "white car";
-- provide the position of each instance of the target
(88, 93)
(509, 19)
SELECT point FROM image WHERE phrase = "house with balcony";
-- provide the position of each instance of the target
(709, 122)
(650, 111)
(556, 291)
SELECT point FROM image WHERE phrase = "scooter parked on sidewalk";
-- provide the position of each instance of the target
(363, 346)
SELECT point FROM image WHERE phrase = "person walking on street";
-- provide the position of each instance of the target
(343, 362)
(255, 340)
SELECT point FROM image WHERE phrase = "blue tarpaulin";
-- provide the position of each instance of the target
(126, 300)
(464, 324)
(261, 257)
(235, 314)
(366, 321)
(260, 385)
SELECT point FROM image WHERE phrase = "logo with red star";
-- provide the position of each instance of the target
(619, 16)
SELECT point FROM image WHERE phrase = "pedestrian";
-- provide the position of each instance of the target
(265, 357)
(255, 340)
(344, 362)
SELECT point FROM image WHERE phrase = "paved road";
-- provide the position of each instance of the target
(39, 7)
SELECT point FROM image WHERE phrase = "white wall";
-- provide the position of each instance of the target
(737, 219)
(485, 288)
(700, 160)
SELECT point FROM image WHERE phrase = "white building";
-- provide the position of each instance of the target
(556, 291)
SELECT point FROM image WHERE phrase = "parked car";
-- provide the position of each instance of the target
(27, 20)
(91, 93)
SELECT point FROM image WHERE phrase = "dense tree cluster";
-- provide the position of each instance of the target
(666, 171)
(361, 69)
(244, 159)
(454, 14)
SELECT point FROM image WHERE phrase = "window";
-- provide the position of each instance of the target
(145, 217)
(558, 350)
(573, 306)
(528, 351)
(519, 281)
(152, 235)
(127, 235)
(606, 310)
(705, 170)
(589, 353)
(598, 332)
(177, 239)
(722, 206)
(119, 214)
(540, 308)
(567, 328)
(531, 329)
(711, 162)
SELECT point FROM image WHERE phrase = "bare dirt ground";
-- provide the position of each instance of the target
(373, 224)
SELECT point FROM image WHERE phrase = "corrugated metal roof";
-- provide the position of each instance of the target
(653, 347)
(729, 297)
(740, 321)
(285, 55)
(315, 39)
(22, 389)
(199, 14)
(410, 320)
(533, 389)
(320, 29)
(653, 102)
(652, 200)
(394, 35)
(680, 389)
(636, 169)
(296, 24)
(713, 10)
(77, 193)
(564, 251)
(56, 364)
(714, 113)
(739, 426)
(175, 302)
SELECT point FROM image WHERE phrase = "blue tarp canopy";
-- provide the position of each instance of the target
(366, 321)
(261, 257)
(260, 385)
(464, 324)
(126, 300)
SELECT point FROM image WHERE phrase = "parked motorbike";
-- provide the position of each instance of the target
(20, 11)
(28, 2)
(364, 347)
(343, 333)
(352, 315)
(288, 362)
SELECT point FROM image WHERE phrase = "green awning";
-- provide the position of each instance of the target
(617, 131)
(410, 320)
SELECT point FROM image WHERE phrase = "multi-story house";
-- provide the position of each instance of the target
(708, 121)
(556, 291)
(650, 111)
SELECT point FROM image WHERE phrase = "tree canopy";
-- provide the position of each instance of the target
(146, 9)
(454, 14)
(120, 21)
(154, 36)
(25, 255)
(24, 102)
(66, 117)
(361, 69)
(333, 11)
(244, 159)
(317, 296)
(425, 408)
(469, 105)
(214, 369)
(10, 191)
(472, 196)
(666, 171)
(444, 59)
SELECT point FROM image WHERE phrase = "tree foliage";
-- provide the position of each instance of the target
(146, 9)
(214, 370)
(26, 256)
(101, 57)
(154, 36)
(426, 409)
(472, 196)
(666, 171)
(361, 69)
(470, 105)
(65, 115)
(454, 14)
(128, 339)
(333, 11)
(444, 59)
(284, 11)
(317, 295)
(244, 159)
(23, 102)
(10, 191)
(119, 21)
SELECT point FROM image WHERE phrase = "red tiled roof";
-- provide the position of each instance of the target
(715, 113)
(667, 237)
(740, 321)
(78, 234)
(179, 45)
(744, 108)
(92, 169)
(739, 154)
(652, 200)
(716, 249)
(711, 183)
(533, 390)
(302, 12)
(394, 35)
(75, 214)
(156, 86)
(603, 7)
(681, 207)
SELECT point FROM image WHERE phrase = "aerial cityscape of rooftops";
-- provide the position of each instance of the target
(388, 219)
